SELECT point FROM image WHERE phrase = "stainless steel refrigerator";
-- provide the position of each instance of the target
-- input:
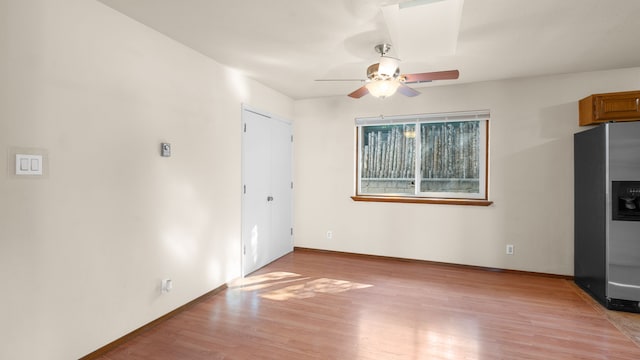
(607, 214)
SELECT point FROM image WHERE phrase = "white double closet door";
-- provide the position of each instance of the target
(267, 189)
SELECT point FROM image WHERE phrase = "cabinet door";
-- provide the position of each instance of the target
(620, 106)
(600, 108)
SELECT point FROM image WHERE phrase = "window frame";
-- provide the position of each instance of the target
(479, 199)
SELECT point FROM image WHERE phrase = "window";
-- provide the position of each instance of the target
(423, 158)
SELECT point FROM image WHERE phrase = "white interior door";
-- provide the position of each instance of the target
(267, 193)
(281, 190)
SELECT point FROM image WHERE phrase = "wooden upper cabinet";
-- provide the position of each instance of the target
(599, 108)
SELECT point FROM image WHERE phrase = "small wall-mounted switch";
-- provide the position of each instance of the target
(165, 149)
(28, 164)
(166, 285)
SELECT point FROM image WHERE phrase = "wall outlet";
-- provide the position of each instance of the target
(509, 249)
(166, 285)
(329, 234)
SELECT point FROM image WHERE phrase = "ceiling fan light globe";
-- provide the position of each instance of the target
(382, 88)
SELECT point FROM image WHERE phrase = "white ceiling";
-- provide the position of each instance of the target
(287, 44)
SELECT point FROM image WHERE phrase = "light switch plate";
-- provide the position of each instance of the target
(28, 164)
(165, 149)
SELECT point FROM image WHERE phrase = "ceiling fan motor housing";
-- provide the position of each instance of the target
(374, 73)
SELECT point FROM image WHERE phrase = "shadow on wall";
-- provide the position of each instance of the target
(559, 121)
(538, 202)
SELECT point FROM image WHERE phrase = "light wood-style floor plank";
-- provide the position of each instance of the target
(311, 305)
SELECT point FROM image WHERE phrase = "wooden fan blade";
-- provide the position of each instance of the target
(407, 91)
(359, 93)
(430, 76)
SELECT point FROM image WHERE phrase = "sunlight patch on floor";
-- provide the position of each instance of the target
(262, 279)
(301, 290)
(311, 288)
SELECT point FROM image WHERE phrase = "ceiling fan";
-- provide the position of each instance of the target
(384, 78)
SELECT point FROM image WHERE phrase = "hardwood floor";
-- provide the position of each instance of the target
(310, 305)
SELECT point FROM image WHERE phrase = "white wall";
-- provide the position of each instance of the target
(531, 176)
(83, 249)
